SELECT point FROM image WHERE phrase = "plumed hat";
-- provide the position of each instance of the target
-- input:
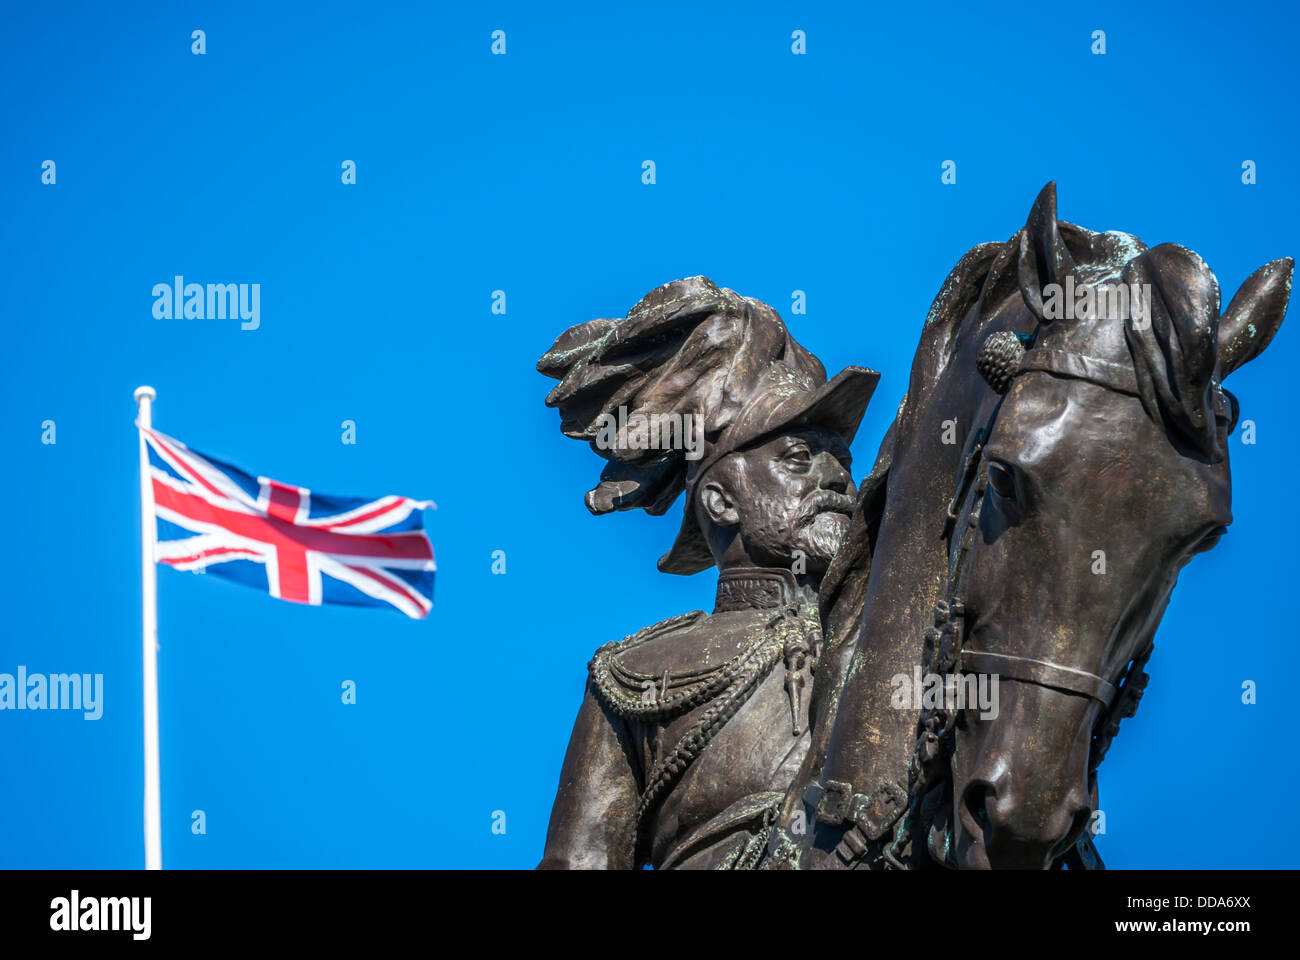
(690, 347)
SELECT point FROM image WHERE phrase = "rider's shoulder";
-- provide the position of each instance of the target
(651, 646)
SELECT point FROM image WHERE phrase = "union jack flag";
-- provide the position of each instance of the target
(301, 546)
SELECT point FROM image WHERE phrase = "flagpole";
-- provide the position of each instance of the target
(144, 397)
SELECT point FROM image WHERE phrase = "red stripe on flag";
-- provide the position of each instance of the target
(407, 545)
(189, 467)
(377, 512)
(415, 598)
(283, 500)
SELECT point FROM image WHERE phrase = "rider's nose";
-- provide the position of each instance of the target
(833, 476)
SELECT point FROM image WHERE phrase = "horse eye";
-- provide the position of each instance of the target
(1002, 481)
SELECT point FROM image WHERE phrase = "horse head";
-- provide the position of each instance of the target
(1095, 468)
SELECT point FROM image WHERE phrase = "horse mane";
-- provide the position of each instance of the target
(1176, 355)
(960, 291)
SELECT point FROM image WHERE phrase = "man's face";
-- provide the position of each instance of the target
(792, 492)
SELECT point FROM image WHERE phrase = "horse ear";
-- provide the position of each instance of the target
(1044, 257)
(1254, 315)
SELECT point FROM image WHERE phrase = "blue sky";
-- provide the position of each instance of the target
(522, 173)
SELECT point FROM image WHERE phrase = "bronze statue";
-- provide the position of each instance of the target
(1090, 463)
(1060, 454)
(690, 732)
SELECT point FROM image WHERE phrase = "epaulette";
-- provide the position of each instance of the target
(647, 633)
(647, 697)
(642, 696)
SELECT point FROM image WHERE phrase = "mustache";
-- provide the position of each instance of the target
(824, 501)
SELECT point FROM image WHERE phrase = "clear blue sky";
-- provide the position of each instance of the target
(523, 173)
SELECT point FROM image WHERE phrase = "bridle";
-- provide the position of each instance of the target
(1003, 357)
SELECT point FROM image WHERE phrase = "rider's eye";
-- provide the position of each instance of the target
(1002, 481)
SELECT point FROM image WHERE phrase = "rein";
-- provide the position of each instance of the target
(1002, 358)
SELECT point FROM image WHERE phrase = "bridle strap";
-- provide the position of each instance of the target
(1104, 373)
(1041, 672)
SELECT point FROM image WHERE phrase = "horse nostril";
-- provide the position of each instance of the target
(1078, 824)
(976, 799)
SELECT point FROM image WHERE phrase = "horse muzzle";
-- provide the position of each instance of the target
(1020, 781)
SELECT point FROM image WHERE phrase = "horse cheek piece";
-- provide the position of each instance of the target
(1113, 420)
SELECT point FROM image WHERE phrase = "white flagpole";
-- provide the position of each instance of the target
(148, 534)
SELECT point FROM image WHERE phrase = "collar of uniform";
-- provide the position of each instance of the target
(755, 588)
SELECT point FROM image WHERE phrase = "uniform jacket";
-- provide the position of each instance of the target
(689, 734)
